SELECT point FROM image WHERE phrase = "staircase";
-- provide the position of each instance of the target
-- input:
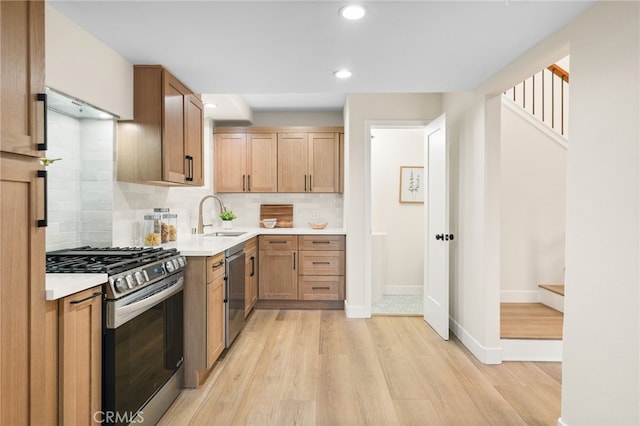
(552, 295)
(545, 95)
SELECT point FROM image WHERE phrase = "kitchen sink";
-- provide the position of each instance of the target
(226, 234)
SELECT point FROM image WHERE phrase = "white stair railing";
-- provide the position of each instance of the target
(545, 95)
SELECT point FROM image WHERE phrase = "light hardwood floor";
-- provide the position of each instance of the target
(530, 321)
(320, 368)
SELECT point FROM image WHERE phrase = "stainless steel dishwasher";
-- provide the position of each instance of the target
(234, 293)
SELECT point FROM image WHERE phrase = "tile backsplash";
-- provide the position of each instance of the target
(80, 186)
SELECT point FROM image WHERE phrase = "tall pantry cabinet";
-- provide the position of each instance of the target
(22, 214)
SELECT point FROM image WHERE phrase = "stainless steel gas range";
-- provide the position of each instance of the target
(142, 328)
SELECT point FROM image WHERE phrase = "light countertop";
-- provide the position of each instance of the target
(60, 285)
(209, 245)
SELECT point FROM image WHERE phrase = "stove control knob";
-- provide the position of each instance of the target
(121, 285)
(139, 278)
(181, 261)
(170, 266)
(130, 282)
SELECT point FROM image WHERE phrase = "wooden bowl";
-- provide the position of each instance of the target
(318, 225)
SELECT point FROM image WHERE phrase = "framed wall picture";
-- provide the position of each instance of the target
(412, 184)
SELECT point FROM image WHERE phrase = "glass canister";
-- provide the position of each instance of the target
(152, 229)
(164, 226)
(169, 227)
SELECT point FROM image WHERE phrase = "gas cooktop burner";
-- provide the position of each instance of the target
(109, 260)
(129, 268)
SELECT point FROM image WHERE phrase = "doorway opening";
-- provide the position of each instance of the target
(397, 222)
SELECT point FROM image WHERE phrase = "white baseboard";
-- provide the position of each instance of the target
(519, 296)
(531, 350)
(484, 355)
(356, 311)
(403, 289)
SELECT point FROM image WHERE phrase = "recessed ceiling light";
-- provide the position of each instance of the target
(353, 12)
(342, 73)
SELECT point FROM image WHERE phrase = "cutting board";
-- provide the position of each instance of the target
(282, 212)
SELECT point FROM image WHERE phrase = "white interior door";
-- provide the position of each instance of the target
(437, 237)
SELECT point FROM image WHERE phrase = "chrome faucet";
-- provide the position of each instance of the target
(201, 223)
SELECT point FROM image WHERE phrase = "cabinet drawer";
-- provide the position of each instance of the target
(278, 242)
(251, 245)
(321, 288)
(321, 263)
(321, 242)
(215, 267)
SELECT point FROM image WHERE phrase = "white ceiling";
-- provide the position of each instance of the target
(280, 55)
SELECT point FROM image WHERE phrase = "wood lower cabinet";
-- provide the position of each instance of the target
(163, 145)
(80, 373)
(278, 267)
(22, 290)
(302, 268)
(204, 316)
(251, 275)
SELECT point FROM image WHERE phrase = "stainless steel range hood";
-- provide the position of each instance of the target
(73, 107)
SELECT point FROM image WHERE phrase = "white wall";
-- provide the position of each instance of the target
(601, 350)
(403, 223)
(81, 66)
(360, 110)
(601, 374)
(532, 207)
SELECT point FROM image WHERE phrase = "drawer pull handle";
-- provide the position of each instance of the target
(320, 288)
(277, 242)
(321, 263)
(217, 265)
(320, 242)
(75, 302)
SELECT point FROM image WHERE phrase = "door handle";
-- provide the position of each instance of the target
(444, 237)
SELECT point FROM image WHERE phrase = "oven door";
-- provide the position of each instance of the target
(142, 353)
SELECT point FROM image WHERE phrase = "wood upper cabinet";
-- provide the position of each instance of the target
(203, 316)
(245, 162)
(22, 76)
(308, 162)
(163, 145)
(293, 162)
(278, 269)
(278, 159)
(80, 349)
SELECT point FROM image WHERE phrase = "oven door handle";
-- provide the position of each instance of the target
(126, 313)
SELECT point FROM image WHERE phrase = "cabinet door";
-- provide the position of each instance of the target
(278, 275)
(324, 162)
(193, 133)
(22, 289)
(230, 162)
(251, 276)
(173, 143)
(22, 77)
(293, 156)
(262, 162)
(215, 320)
(80, 357)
